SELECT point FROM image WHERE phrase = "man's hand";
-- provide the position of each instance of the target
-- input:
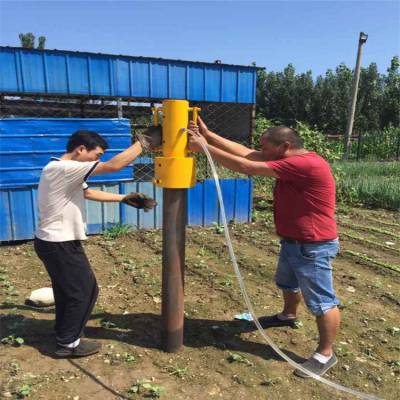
(200, 127)
(139, 200)
(195, 140)
(151, 138)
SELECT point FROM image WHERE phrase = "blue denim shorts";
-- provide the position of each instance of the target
(307, 267)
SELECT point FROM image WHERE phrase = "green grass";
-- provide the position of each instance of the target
(373, 184)
(117, 231)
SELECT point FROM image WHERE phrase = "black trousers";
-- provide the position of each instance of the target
(74, 286)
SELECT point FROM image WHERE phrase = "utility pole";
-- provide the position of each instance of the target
(353, 101)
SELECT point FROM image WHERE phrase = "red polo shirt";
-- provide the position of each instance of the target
(304, 198)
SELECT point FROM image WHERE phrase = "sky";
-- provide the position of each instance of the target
(312, 35)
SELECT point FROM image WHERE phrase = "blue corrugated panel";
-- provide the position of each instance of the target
(18, 207)
(73, 73)
(26, 145)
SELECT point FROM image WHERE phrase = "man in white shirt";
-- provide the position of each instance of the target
(61, 194)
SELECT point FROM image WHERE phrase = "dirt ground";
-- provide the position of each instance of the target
(221, 358)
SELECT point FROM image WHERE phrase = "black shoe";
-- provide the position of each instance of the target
(315, 366)
(273, 320)
(84, 349)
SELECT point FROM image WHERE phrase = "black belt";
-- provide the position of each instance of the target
(292, 241)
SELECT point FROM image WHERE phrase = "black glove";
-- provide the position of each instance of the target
(139, 200)
(151, 138)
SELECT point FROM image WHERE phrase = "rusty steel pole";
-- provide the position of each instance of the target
(175, 173)
(173, 264)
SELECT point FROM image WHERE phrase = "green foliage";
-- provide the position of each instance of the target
(219, 229)
(315, 140)
(262, 124)
(372, 184)
(128, 358)
(41, 42)
(146, 387)
(117, 231)
(24, 391)
(377, 145)
(13, 340)
(286, 97)
(234, 357)
(28, 41)
(176, 370)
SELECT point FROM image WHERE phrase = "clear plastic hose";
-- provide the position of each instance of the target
(249, 306)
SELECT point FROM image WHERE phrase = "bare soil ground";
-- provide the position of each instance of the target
(221, 358)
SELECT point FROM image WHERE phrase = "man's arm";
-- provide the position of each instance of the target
(98, 195)
(133, 199)
(229, 146)
(119, 161)
(226, 145)
(241, 164)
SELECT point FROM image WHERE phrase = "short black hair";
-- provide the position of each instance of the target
(280, 134)
(89, 139)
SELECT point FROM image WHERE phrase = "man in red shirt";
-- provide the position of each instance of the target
(304, 206)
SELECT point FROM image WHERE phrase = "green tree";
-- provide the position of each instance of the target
(391, 95)
(286, 97)
(369, 100)
(41, 42)
(330, 100)
(28, 41)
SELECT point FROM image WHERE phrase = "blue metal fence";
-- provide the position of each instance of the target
(26, 145)
(72, 73)
(19, 218)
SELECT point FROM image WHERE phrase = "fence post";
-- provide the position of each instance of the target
(359, 146)
(252, 127)
(82, 104)
(119, 108)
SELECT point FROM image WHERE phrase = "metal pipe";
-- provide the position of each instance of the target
(173, 264)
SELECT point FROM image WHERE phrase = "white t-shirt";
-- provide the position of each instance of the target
(61, 201)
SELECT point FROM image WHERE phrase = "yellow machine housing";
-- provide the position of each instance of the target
(175, 170)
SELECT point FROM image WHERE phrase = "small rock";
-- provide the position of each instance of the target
(351, 289)
(346, 367)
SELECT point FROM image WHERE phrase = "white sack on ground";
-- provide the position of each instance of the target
(42, 297)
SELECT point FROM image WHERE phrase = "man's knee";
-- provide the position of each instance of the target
(319, 310)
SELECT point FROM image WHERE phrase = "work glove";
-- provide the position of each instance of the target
(151, 138)
(139, 200)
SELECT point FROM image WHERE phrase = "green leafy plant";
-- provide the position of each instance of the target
(24, 391)
(146, 387)
(219, 229)
(176, 370)
(117, 231)
(128, 358)
(234, 357)
(13, 340)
